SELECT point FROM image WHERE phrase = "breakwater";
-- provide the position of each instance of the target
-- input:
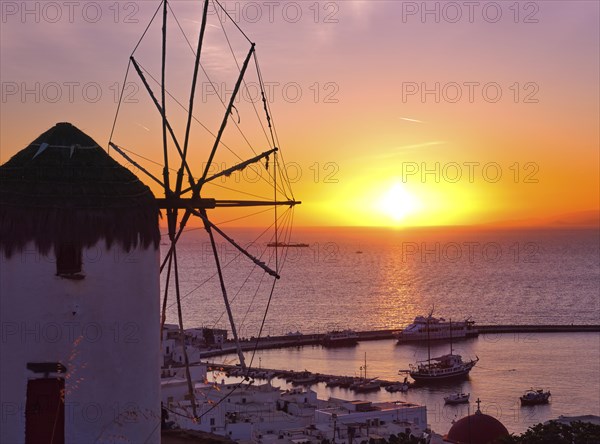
(299, 340)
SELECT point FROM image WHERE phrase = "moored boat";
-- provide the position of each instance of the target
(304, 378)
(363, 386)
(457, 398)
(535, 396)
(426, 328)
(286, 244)
(444, 367)
(342, 338)
(341, 382)
(398, 386)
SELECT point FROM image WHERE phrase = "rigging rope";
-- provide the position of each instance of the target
(251, 301)
(245, 85)
(112, 131)
(264, 99)
(246, 378)
(147, 27)
(232, 20)
(272, 122)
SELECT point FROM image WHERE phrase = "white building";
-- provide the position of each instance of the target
(243, 412)
(267, 415)
(359, 420)
(79, 296)
(299, 402)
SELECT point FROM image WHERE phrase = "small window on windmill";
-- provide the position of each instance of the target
(68, 261)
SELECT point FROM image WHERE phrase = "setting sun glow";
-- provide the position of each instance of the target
(397, 203)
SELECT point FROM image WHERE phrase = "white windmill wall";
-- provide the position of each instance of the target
(103, 328)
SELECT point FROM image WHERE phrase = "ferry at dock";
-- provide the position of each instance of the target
(429, 328)
(345, 338)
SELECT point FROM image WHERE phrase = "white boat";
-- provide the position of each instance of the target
(535, 396)
(426, 328)
(342, 382)
(398, 387)
(366, 386)
(457, 398)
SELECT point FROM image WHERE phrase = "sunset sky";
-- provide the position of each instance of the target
(388, 113)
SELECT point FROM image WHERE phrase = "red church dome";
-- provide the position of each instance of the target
(478, 428)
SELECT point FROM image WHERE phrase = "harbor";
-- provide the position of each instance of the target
(508, 366)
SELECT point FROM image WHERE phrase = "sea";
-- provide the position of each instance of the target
(379, 278)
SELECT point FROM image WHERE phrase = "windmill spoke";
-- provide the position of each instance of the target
(254, 203)
(192, 94)
(171, 214)
(182, 224)
(164, 109)
(225, 298)
(138, 69)
(171, 203)
(182, 335)
(164, 305)
(239, 166)
(137, 165)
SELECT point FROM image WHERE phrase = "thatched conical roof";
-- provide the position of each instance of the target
(64, 187)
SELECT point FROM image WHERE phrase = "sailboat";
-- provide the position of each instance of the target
(365, 385)
(449, 366)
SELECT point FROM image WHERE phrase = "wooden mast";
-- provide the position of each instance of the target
(450, 336)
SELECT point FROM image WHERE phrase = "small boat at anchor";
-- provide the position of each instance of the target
(304, 378)
(398, 386)
(457, 398)
(535, 396)
(364, 385)
(341, 382)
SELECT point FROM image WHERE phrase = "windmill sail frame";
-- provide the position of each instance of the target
(181, 203)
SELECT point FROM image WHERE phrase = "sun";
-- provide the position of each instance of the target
(398, 203)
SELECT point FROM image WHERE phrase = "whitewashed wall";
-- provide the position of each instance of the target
(104, 329)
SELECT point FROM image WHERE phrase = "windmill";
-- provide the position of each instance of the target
(183, 202)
